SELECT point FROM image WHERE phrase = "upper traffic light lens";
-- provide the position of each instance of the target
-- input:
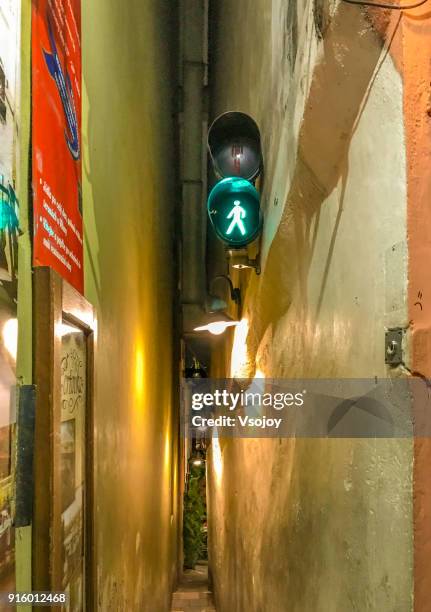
(234, 146)
(234, 211)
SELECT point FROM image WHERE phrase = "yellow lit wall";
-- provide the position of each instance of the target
(128, 218)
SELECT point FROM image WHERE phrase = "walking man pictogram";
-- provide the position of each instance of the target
(237, 214)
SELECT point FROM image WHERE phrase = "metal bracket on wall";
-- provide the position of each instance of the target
(239, 259)
(394, 346)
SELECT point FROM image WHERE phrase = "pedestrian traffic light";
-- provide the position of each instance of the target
(234, 203)
(234, 211)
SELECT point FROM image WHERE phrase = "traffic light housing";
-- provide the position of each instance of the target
(234, 203)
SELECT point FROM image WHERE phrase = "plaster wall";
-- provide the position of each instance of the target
(417, 111)
(128, 181)
(24, 306)
(322, 525)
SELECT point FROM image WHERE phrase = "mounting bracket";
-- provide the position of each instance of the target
(394, 346)
(239, 259)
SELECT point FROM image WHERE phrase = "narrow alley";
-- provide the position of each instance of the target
(193, 594)
(215, 313)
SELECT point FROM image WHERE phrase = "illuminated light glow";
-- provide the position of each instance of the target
(217, 328)
(197, 462)
(217, 458)
(257, 386)
(64, 329)
(10, 337)
(139, 373)
(220, 327)
(167, 457)
(240, 362)
(138, 401)
(237, 214)
(84, 316)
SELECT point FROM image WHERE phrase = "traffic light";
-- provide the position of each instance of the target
(234, 211)
(234, 203)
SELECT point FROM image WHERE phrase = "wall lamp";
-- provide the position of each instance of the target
(197, 462)
(218, 324)
(197, 457)
(218, 320)
(215, 303)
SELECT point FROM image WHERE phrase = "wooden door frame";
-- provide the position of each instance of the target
(55, 301)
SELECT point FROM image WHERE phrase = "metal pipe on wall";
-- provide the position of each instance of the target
(193, 125)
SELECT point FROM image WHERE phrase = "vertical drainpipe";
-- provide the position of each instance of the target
(193, 125)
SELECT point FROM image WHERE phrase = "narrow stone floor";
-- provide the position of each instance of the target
(193, 594)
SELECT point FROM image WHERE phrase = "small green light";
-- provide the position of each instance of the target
(8, 216)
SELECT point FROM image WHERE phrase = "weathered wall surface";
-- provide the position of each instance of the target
(316, 524)
(128, 207)
(417, 111)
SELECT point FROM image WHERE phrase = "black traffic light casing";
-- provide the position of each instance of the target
(234, 203)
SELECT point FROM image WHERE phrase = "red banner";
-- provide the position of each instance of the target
(56, 137)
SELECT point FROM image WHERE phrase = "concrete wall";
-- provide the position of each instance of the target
(322, 525)
(128, 181)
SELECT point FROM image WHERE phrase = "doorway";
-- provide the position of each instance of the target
(63, 527)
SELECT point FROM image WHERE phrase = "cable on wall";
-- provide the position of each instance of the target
(393, 7)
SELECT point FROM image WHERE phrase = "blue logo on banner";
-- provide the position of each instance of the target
(65, 91)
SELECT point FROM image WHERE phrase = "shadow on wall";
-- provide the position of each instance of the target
(351, 57)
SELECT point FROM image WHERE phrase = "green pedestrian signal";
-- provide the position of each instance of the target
(234, 211)
(238, 213)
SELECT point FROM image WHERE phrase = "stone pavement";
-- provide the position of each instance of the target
(192, 594)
